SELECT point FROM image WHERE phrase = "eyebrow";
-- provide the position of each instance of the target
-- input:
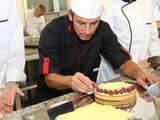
(95, 21)
(87, 22)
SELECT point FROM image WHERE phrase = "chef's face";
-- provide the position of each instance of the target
(85, 28)
(38, 12)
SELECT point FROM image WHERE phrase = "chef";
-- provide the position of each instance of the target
(12, 58)
(156, 7)
(70, 47)
(142, 43)
(35, 21)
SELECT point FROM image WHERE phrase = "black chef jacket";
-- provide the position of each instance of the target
(61, 51)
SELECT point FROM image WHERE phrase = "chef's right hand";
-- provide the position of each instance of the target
(81, 83)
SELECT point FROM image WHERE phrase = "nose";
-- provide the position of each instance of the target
(88, 29)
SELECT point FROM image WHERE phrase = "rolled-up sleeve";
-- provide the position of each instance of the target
(16, 59)
(49, 51)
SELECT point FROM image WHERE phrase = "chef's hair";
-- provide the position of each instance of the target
(42, 7)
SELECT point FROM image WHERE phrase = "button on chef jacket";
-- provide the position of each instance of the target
(12, 59)
(62, 51)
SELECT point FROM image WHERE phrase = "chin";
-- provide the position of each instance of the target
(85, 38)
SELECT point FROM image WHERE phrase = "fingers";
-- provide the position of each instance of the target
(4, 107)
(152, 78)
(19, 92)
(7, 108)
(7, 105)
(8, 96)
(85, 80)
(8, 101)
(147, 79)
(81, 83)
(142, 83)
(9, 93)
(78, 86)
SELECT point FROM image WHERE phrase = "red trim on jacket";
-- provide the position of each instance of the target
(126, 51)
(46, 65)
(70, 27)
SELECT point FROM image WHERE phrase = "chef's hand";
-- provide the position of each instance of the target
(81, 83)
(8, 95)
(144, 64)
(146, 79)
(132, 70)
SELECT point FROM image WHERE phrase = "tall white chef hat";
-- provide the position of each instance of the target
(87, 8)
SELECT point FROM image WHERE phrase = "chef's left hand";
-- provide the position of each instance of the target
(144, 64)
(8, 95)
(145, 79)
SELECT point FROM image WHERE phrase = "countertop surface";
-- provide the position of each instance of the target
(31, 54)
(143, 110)
(31, 51)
